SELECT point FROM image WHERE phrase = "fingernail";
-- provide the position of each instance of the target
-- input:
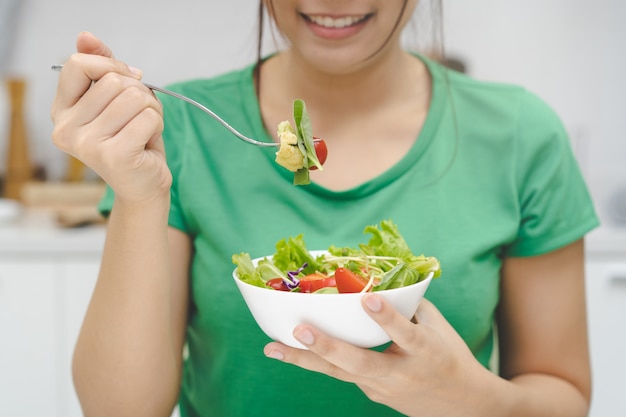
(275, 354)
(135, 71)
(305, 336)
(373, 303)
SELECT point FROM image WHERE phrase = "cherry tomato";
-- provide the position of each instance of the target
(277, 284)
(320, 150)
(348, 281)
(313, 282)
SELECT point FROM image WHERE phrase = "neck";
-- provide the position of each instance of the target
(371, 84)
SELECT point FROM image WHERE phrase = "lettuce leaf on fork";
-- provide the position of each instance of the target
(304, 132)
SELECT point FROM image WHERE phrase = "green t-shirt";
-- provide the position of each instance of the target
(491, 175)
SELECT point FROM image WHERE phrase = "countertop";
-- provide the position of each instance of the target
(37, 232)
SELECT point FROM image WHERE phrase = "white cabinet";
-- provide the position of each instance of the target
(47, 275)
(606, 303)
(42, 302)
(28, 348)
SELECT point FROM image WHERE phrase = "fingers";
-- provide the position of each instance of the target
(330, 356)
(81, 70)
(104, 109)
(403, 332)
(143, 126)
(87, 43)
(347, 362)
(113, 101)
(306, 360)
(429, 315)
(81, 101)
(91, 62)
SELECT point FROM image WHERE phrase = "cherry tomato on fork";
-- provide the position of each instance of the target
(321, 150)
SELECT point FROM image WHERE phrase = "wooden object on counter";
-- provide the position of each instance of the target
(55, 194)
(75, 170)
(19, 169)
(79, 216)
(72, 203)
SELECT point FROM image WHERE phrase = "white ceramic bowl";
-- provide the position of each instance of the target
(339, 315)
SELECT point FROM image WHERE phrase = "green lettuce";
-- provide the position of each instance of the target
(387, 256)
(304, 133)
(387, 242)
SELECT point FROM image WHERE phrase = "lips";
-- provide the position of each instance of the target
(332, 22)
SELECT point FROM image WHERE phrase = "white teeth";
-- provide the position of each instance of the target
(342, 22)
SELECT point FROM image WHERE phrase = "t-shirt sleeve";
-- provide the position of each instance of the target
(106, 203)
(555, 205)
(174, 150)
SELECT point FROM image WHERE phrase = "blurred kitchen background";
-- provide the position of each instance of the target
(570, 52)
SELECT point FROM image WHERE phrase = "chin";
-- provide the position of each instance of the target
(339, 63)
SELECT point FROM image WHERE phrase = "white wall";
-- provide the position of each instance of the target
(568, 51)
(572, 53)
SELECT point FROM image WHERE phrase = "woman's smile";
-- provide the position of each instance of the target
(335, 27)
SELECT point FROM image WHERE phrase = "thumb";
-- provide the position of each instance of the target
(87, 43)
(430, 315)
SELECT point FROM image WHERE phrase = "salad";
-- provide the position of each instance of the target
(299, 151)
(385, 262)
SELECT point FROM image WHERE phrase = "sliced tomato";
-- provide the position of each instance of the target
(349, 282)
(321, 150)
(313, 282)
(277, 284)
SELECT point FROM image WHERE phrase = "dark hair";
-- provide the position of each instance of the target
(437, 35)
(259, 47)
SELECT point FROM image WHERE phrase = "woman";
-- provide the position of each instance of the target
(479, 175)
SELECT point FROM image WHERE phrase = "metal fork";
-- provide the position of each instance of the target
(201, 107)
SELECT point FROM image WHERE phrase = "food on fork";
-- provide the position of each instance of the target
(289, 155)
(299, 151)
